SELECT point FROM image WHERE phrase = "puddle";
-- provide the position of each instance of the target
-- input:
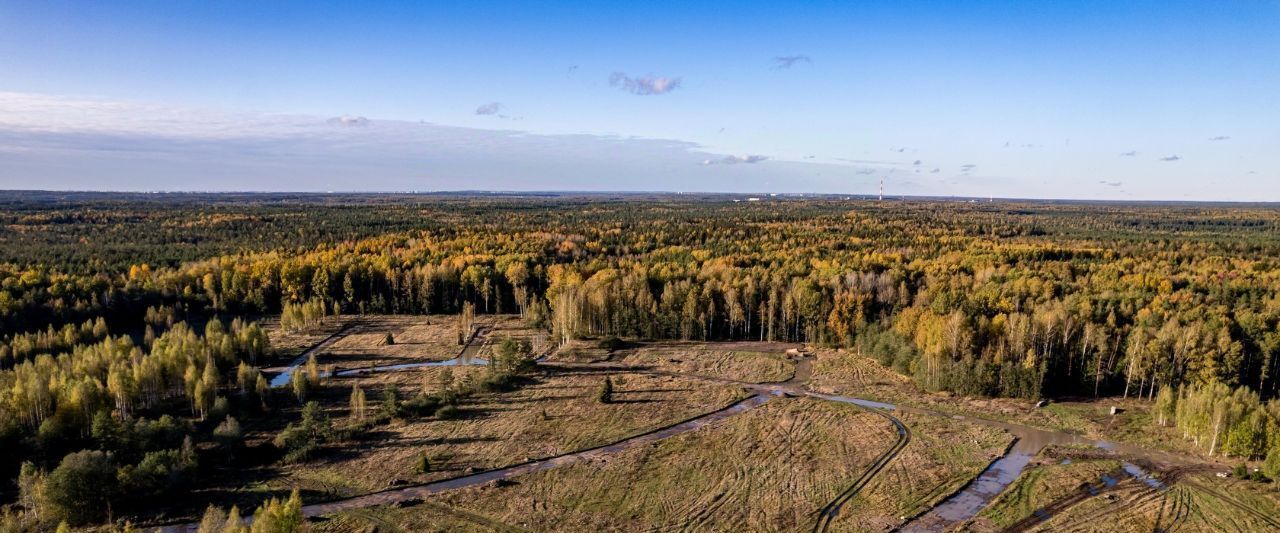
(857, 401)
(1138, 473)
(467, 357)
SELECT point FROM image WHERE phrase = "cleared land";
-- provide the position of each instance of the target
(943, 455)
(1048, 480)
(847, 372)
(554, 414)
(772, 467)
(751, 362)
(1196, 503)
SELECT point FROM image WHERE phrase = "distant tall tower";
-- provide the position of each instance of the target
(881, 189)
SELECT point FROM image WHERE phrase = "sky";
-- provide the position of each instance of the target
(1126, 100)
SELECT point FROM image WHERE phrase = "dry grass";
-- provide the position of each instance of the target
(417, 338)
(943, 455)
(1041, 484)
(771, 468)
(847, 372)
(555, 414)
(285, 345)
(579, 351)
(752, 362)
(1195, 504)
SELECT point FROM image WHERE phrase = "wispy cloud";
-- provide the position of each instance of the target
(644, 85)
(783, 62)
(1171, 158)
(736, 159)
(1220, 138)
(1111, 183)
(348, 120)
(55, 142)
(491, 108)
(1130, 153)
(968, 168)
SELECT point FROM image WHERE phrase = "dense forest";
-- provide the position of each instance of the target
(1176, 303)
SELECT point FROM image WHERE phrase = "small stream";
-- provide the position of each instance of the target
(1001, 473)
(466, 357)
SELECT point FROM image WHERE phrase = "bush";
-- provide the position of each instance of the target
(159, 473)
(424, 464)
(612, 343)
(81, 488)
(422, 405)
(449, 412)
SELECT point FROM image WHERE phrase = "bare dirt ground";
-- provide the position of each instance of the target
(772, 467)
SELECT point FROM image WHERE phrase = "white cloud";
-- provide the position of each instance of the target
(75, 143)
(785, 62)
(348, 120)
(644, 85)
(491, 108)
(735, 159)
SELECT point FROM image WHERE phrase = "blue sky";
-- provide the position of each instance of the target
(1117, 100)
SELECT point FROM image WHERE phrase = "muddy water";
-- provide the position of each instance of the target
(466, 357)
(282, 379)
(1002, 472)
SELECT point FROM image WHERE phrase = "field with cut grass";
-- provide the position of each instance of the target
(1194, 504)
(1041, 484)
(943, 455)
(556, 412)
(847, 372)
(772, 467)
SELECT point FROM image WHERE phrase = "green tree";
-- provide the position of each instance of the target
(279, 516)
(606, 391)
(1271, 467)
(80, 490)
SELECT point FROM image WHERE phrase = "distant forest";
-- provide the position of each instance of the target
(983, 298)
(1175, 303)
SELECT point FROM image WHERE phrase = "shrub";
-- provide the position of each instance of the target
(422, 405)
(158, 473)
(449, 412)
(612, 343)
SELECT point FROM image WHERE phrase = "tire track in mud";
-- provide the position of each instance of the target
(417, 492)
(832, 509)
(794, 386)
(1268, 519)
